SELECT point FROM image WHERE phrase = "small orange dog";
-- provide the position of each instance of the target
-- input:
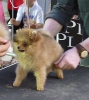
(36, 51)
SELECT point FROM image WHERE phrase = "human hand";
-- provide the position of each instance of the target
(4, 45)
(33, 26)
(12, 21)
(69, 59)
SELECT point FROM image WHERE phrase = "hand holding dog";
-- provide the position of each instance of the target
(4, 45)
(69, 59)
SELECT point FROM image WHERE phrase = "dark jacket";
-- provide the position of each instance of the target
(65, 9)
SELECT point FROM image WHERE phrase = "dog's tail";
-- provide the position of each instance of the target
(4, 32)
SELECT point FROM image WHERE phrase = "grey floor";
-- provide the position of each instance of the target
(75, 86)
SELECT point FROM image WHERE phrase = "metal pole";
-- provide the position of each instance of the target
(12, 25)
(28, 8)
(28, 5)
(12, 32)
(44, 8)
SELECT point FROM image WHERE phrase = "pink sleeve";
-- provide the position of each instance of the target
(2, 17)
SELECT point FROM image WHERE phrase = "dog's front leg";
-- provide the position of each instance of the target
(40, 75)
(20, 75)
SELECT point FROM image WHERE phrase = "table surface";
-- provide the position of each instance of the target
(74, 86)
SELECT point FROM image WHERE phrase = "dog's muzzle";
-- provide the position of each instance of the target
(20, 49)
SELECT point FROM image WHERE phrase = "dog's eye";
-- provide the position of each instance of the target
(24, 44)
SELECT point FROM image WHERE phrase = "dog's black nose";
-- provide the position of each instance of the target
(18, 47)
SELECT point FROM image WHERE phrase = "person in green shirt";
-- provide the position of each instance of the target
(58, 18)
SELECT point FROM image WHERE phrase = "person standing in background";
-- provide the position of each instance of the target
(35, 15)
(15, 6)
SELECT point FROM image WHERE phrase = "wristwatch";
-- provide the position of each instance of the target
(83, 53)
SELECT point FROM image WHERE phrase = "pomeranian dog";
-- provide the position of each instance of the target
(36, 51)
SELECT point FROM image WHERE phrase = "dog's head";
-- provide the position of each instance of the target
(25, 38)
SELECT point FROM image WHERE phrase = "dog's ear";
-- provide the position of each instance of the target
(34, 35)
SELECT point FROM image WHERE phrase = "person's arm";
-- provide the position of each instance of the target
(70, 59)
(52, 26)
(85, 44)
(39, 20)
(14, 22)
(19, 16)
(17, 21)
(55, 21)
(37, 26)
(59, 16)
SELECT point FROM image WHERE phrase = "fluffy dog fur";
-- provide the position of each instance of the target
(36, 51)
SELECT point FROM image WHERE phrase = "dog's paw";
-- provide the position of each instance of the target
(40, 88)
(60, 75)
(16, 84)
